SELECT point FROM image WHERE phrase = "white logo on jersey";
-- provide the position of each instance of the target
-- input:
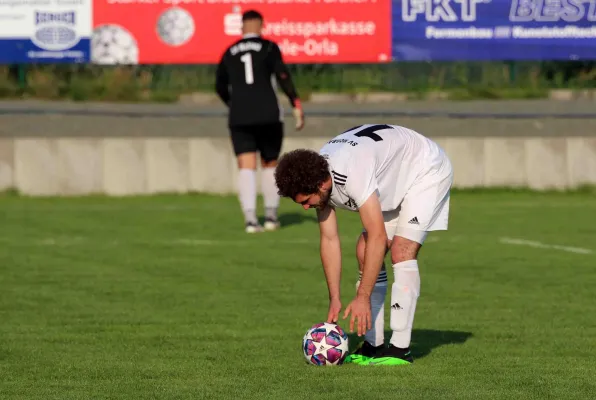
(245, 46)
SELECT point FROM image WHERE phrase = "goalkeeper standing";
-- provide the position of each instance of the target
(245, 83)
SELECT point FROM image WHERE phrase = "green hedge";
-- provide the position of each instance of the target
(167, 83)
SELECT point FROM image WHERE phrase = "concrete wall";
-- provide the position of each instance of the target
(137, 165)
(62, 148)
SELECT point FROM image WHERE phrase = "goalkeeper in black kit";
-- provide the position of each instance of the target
(245, 82)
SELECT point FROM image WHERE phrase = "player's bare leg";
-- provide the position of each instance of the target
(270, 196)
(374, 338)
(404, 295)
(247, 190)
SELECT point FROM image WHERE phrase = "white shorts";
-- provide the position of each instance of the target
(425, 207)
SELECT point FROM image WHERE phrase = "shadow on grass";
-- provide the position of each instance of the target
(424, 341)
(295, 218)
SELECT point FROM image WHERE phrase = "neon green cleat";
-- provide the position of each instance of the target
(363, 353)
(391, 356)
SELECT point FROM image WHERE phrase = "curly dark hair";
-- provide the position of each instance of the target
(301, 171)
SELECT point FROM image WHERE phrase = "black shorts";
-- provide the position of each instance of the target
(265, 139)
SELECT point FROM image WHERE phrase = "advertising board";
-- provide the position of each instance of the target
(198, 31)
(45, 31)
(461, 30)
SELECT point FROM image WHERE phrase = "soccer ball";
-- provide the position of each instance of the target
(325, 345)
(175, 26)
(112, 44)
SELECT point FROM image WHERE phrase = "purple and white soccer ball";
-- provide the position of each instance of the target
(325, 344)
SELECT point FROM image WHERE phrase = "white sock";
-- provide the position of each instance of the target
(270, 196)
(376, 335)
(247, 193)
(404, 294)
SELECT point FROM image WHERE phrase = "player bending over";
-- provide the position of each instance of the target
(399, 182)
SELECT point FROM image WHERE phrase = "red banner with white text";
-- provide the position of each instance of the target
(198, 31)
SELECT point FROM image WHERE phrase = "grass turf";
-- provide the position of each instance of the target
(166, 298)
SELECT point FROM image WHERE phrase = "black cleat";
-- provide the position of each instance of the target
(392, 355)
(363, 353)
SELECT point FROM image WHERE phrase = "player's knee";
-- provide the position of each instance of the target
(403, 249)
(268, 163)
(361, 249)
(247, 161)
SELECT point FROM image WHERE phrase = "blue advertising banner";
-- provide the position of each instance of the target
(45, 31)
(429, 30)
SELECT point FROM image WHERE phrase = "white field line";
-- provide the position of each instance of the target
(207, 242)
(61, 241)
(76, 241)
(191, 242)
(106, 208)
(528, 204)
(28, 208)
(539, 245)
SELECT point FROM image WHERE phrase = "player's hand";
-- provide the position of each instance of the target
(334, 309)
(361, 314)
(298, 116)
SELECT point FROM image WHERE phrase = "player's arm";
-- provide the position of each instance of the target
(362, 186)
(371, 216)
(330, 250)
(222, 81)
(284, 79)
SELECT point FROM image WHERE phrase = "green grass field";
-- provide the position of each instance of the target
(167, 298)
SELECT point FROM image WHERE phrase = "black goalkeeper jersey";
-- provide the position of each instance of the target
(245, 81)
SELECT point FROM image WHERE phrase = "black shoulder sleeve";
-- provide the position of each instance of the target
(282, 74)
(222, 80)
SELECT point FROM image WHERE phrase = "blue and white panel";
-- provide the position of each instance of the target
(462, 30)
(45, 31)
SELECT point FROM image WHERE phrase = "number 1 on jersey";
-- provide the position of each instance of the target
(249, 77)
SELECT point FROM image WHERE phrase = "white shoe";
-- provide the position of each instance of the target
(253, 228)
(271, 225)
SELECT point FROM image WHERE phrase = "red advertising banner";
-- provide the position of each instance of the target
(198, 31)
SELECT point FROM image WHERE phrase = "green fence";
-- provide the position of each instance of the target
(167, 83)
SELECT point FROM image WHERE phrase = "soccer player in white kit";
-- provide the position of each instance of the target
(399, 182)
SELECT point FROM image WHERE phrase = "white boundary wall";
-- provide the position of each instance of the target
(128, 166)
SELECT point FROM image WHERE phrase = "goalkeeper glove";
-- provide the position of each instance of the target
(298, 114)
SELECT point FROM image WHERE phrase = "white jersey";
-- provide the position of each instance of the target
(388, 159)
